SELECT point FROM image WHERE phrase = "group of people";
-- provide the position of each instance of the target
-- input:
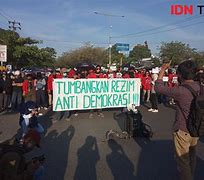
(155, 85)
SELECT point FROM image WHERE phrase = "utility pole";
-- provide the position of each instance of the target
(13, 25)
(109, 37)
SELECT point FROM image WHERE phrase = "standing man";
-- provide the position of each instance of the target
(17, 93)
(185, 145)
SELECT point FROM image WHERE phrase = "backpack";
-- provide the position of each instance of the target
(195, 119)
(39, 85)
(136, 127)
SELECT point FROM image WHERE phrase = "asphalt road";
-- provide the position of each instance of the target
(77, 149)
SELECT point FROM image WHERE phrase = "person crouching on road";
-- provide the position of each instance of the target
(184, 144)
(28, 119)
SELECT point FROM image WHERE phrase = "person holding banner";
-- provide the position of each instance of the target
(96, 74)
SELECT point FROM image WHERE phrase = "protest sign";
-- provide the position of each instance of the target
(82, 94)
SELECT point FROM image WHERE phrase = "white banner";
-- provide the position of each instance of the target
(3, 53)
(70, 94)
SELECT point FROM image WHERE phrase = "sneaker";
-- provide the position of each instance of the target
(54, 121)
(101, 115)
(90, 115)
(155, 110)
(150, 109)
(76, 114)
(39, 109)
(40, 114)
(67, 119)
(45, 108)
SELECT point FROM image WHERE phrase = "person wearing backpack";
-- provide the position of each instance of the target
(40, 91)
(184, 141)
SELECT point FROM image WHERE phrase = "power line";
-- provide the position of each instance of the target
(6, 14)
(3, 23)
(66, 41)
(159, 27)
(170, 29)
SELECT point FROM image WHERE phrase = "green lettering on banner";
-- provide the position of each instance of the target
(58, 103)
(93, 101)
(125, 99)
(77, 102)
(113, 84)
(98, 86)
(109, 100)
(94, 90)
(131, 84)
(66, 102)
(120, 100)
(59, 87)
(67, 88)
(86, 102)
(78, 87)
(83, 87)
(115, 100)
(123, 86)
(105, 86)
(88, 87)
(99, 100)
(135, 98)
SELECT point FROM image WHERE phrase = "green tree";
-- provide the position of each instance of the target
(156, 61)
(199, 58)
(139, 52)
(87, 53)
(24, 52)
(176, 51)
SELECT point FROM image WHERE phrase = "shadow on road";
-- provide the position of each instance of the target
(121, 166)
(56, 147)
(156, 159)
(88, 156)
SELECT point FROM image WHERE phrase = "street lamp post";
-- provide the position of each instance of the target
(109, 38)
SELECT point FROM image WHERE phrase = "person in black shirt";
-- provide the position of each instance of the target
(8, 91)
(17, 94)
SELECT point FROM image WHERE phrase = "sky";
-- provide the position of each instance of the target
(68, 24)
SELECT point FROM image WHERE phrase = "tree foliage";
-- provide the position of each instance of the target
(139, 52)
(23, 52)
(87, 53)
(176, 51)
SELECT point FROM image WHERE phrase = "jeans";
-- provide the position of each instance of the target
(16, 100)
(40, 98)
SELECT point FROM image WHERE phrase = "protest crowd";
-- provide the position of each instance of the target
(31, 94)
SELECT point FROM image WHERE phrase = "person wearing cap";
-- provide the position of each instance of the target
(17, 93)
(12, 161)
